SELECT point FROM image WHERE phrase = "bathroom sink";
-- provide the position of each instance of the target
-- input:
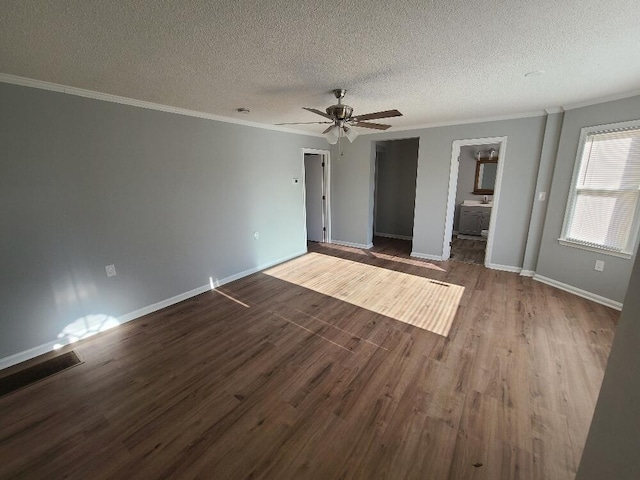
(476, 203)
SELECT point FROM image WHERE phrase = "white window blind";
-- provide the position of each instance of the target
(603, 206)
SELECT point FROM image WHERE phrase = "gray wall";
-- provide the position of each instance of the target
(467, 177)
(552, 130)
(169, 199)
(613, 443)
(567, 264)
(395, 192)
(352, 191)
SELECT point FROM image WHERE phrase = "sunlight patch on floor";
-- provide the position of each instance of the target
(384, 256)
(418, 301)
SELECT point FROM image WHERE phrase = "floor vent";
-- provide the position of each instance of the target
(40, 371)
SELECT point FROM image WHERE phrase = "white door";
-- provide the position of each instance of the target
(314, 196)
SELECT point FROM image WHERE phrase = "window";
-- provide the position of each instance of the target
(603, 207)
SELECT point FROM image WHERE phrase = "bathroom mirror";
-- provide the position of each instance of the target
(485, 177)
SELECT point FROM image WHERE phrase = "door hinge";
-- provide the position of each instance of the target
(323, 164)
(323, 197)
(324, 229)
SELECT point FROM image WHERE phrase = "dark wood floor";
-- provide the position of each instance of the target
(266, 379)
(467, 250)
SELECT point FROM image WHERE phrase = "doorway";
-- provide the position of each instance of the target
(474, 191)
(396, 167)
(316, 195)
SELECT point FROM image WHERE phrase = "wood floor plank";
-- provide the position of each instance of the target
(270, 378)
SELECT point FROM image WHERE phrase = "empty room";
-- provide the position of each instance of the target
(319, 240)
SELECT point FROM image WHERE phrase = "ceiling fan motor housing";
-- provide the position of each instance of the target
(340, 112)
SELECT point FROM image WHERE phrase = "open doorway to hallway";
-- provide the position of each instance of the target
(395, 192)
(316, 195)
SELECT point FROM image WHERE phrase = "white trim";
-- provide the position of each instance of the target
(154, 307)
(569, 243)
(451, 201)
(503, 268)
(475, 238)
(527, 273)
(453, 185)
(426, 256)
(579, 292)
(515, 116)
(326, 154)
(256, 269)
(351, 244)
(81, 92)
(393, 235)
(495, 118)
(597, 101)
(49, 346)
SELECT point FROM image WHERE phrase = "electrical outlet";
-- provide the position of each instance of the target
(111, 270)
(542, 196)
(599, 265)
(256, 235)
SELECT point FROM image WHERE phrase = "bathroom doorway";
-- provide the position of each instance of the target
(476, 172)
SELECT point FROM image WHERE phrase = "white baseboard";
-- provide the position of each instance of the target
(154, 307)
(503, 268)
(527, 273)
(475, 238)
(141, 312)
(427, 256)
(393, 235)
(350, 244)
(578, 291)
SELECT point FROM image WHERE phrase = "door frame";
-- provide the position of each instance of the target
(453, 186)
(326, 204)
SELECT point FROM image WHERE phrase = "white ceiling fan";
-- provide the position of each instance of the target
(343, 121)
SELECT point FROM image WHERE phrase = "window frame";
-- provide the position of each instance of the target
(629, 248)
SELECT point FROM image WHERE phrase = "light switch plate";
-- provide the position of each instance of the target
(111, 270)
(542, 196)
(599, 265)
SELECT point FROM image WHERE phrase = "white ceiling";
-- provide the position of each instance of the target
(434, 60)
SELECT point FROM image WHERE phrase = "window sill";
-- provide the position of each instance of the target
(569, 243)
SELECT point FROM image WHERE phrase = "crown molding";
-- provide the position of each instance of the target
(610, 98)
(496, 118)
(106, 97)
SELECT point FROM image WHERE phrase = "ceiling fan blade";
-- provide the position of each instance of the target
(302, 123)
(318, 112)
(377, 126)
(328, 130)
(372, 116)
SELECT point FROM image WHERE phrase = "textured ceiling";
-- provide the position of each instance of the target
(436, 61)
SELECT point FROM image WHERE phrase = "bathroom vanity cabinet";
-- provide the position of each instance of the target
(474, 219)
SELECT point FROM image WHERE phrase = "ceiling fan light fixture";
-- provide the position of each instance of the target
(351, 133)
(332, 135)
